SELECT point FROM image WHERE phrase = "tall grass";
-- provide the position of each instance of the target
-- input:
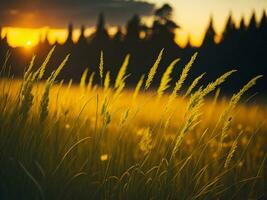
(109, 142)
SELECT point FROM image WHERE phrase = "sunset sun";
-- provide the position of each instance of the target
(28, 44)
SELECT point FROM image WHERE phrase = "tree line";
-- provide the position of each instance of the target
(241, 47)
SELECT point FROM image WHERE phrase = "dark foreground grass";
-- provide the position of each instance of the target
(87, 142)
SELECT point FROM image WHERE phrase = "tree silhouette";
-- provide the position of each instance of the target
(101, 37)
(263, 21)
(82, 39)
(118, 37)
(69, 40)
(164, 26)
(133, 28)
(242, 26)
(209, 38)
(164, 13)
(252, 23)
(229, 29)
(263, 28)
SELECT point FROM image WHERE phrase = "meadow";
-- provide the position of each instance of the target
(61, 140)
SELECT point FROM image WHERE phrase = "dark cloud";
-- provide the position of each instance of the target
(57, 13)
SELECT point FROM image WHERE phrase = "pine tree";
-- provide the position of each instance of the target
(210, 34)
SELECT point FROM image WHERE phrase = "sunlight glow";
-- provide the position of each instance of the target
(28, 44)
(21, 37)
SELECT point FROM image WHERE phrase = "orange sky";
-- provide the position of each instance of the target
(193, 16)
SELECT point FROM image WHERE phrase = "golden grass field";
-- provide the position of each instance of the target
(70, 141)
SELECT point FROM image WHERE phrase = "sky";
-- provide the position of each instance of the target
(26, 21)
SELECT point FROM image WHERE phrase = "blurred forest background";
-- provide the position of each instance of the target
(241, 47)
